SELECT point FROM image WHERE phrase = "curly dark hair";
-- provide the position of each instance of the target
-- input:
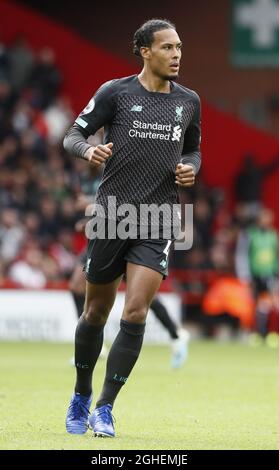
(144, 36)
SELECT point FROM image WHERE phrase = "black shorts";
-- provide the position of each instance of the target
(107, 259)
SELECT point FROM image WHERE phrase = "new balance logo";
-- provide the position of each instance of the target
(136, 108)
(177, 131)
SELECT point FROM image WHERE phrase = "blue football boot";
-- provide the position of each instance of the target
(101, 421)
(78, 412)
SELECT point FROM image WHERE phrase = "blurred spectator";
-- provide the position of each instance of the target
(203, 220)
(257, 251)
(62, 251)
(68, 216)
(9, 151)
(21, 62)
(257, 261)
(51, 269)
(219, 258)
(28, 272)
(7, 101)
(58, 118)
(32, 224)
(50, 222)
(248, 183)
(4, 62)
(229, 303)
(45, 79)
(11, 234)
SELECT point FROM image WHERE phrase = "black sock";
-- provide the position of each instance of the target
(79, 301)
(121, 360)
(88, 345)
(161, 313)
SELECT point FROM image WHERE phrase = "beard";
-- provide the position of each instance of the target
(171, 77)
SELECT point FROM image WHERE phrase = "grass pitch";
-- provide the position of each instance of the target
(225, 397)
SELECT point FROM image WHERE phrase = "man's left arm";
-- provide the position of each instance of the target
(191, 156)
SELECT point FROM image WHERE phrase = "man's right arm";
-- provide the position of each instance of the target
(75, 142)
(99, 111)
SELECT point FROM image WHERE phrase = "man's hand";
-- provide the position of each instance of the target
(184, 175)
(98, 155)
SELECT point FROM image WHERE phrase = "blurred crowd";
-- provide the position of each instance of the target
(41, 189)
(39, 183)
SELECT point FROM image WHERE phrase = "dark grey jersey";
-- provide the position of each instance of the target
(151, 132)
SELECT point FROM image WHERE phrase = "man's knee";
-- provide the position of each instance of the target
(96, 312)
(135, 312)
